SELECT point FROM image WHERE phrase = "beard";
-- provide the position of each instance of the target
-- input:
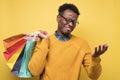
(65, 33)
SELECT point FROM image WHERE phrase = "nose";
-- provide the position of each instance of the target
(71, 24)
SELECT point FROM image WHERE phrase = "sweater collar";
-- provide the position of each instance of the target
(62, 38)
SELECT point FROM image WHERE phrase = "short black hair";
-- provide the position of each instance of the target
(70, 6)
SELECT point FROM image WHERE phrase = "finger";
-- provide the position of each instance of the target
(95, 49)
(105, 47)
(95, 52)
(43, 34)
(99, 49)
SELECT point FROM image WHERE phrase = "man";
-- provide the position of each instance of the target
(60, 56)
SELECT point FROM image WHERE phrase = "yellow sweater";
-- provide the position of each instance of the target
(62, 60)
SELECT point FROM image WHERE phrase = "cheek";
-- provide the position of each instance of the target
(61, 24)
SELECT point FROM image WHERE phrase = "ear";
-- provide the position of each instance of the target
(58, 18)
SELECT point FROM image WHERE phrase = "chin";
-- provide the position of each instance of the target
(66, 33)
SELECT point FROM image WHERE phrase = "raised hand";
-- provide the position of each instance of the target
(100, 50)
(43, 34)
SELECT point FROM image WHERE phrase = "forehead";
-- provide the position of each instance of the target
(70, 13)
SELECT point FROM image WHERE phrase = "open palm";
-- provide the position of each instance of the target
(100, 50)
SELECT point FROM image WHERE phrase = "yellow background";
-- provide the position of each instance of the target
(99, 23)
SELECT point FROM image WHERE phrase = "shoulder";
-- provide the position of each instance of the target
(81, 42)
(51, 36)
(78, 39)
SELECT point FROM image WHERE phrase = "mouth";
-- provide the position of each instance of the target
(67, 29)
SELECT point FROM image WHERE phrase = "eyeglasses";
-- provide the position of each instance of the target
(68, 20)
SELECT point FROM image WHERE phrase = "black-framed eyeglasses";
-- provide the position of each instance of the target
(68, 20)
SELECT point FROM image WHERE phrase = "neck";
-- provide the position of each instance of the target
(62, 34)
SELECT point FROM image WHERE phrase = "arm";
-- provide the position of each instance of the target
(92, 66)
(38, 60)
(92, 61)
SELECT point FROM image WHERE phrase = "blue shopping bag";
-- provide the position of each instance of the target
(28, 50)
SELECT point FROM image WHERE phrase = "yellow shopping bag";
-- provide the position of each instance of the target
(13, 59)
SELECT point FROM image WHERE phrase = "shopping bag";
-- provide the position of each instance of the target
(24, 72)
(12, 40)
(20, 68)
(19, 49)
(13, 59)
(28, 50)
(16, 68)
(13, 49)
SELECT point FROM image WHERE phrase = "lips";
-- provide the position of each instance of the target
(68, 29)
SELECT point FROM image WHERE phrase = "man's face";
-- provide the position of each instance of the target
(66, 22)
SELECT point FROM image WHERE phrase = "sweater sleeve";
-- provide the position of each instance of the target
(91, 64)
(37, 62)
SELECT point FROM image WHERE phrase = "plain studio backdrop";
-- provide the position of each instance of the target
(99, 23)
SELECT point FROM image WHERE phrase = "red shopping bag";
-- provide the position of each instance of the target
(12, 40)
(13, 49)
